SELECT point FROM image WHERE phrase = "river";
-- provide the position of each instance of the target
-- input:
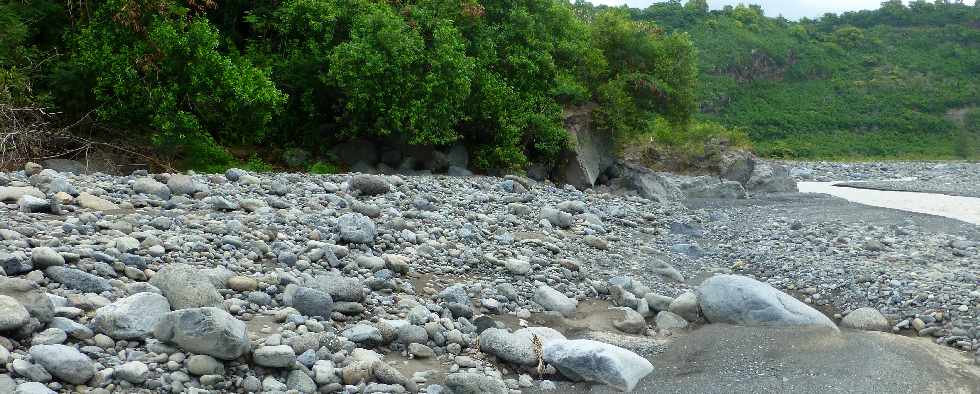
(966, 209)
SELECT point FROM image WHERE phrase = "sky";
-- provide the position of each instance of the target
(791, 9)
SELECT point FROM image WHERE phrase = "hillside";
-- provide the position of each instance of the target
(879, 83)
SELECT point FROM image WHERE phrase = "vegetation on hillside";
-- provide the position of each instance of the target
(862, 84)
(193, 77)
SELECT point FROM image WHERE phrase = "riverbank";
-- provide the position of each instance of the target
(954, 178)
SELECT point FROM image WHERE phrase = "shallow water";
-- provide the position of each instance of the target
(966, 209)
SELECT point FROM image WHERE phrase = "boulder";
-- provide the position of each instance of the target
(133, 317)
(868, 319)
(209, 331)
(89, 201)
(30, 296)
(309, 302)
(186, 287)
(553, 300)
(651, 185)
(152, 187)
(15, 263)
(51, 182)
(340, 288)
(13, 315)
(64, 362)
(771, 178)
(279, 356)
(707, 187)
(745, 301)
(585, 360)
(78, 280)
(44, 257)
(590, 154)
(356, 228)
(14, 193)
(475, 383)
(184, 184)
(369, 185)
(517, 347)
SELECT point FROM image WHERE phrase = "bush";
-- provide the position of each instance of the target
(324, 168)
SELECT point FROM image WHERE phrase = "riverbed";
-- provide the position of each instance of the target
(966, 209)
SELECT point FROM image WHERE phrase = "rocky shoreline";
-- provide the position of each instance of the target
(359, 283)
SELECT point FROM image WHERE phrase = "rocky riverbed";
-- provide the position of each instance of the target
(242, 282)
(952, 178)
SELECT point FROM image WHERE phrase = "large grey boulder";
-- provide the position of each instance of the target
(369, 185)
(553, 300)
(44, 257)
(868, 319)
(591, 152)
(308, 301)
(13, 315)
(209, 331)
(651, 185)
(14, 193)
(745, 301)
(517, 347)
(184, 184)
(186, 287)
(30, 295)
(152, 187)
(475, 383)
(15, 263)
(133, 317)
(89, 201)
(708, 187)
(339, 287)
(64, 362)
(585, 360)
(78, 280)
(771, 178)
(51, 182)
(356, 228)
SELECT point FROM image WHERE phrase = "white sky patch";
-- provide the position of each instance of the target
(792, 9)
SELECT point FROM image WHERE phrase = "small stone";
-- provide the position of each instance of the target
(868, 319)
(281, 356)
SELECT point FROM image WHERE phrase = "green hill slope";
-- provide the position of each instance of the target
(880, 83)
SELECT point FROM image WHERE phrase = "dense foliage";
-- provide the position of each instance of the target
(196, 76)
(871, 83)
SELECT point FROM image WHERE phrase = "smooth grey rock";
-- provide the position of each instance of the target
(652, 185)
(356, 228)
(32, 388)
(13, 315)
(868, 319)
(670, 321)
(557, 218)
(339, 287)
(186, 287)
(707, 187)
(310, 302)
(686, 306)
(632, 322)
(369, 185)
(15, 263)
(30, 296)
(31, 204)
(78, 280)
(280, 356)
(183, 184)
(553, 300)
(89, 201)
(585, 360)
(658, 302)
(770, 178)
(475, 383)
(64, 362)
(516, 347)
(133, 372)
(207, 330)
(365, 334)
(14, 193)
(744, 301)
(133, 317)
(44, 257)
(152, 187)
(202, 364)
